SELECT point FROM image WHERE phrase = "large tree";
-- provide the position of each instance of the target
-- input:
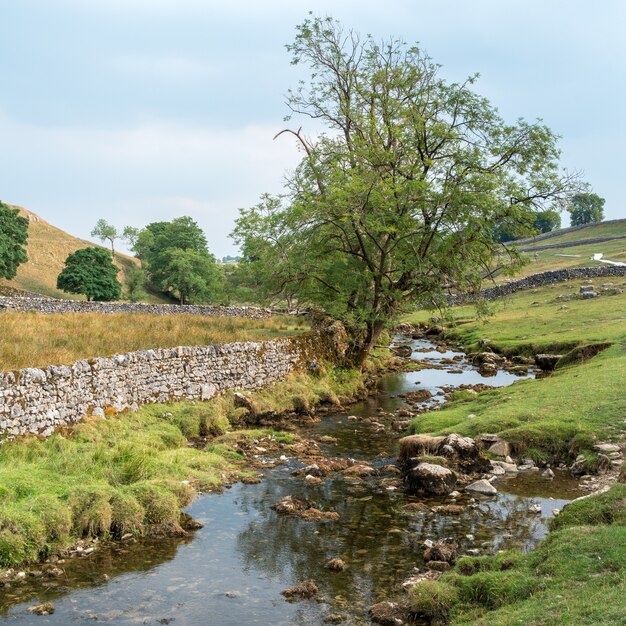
(13, 239)
(586, 208)
(177, 259)
(91, 272)
(398, 197)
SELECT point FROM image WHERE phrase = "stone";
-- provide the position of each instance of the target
(547, 362)
(336, 565)
(432, 479)
(47, 608)
(482, 486)
(303, 591)
(548, 473)
(388, 613)
(607, 447)
(444, 550)
(534, 508)
(500, 448)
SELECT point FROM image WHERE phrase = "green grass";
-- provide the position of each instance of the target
(591, 231)
(39, 339)
(133, 472)
(560, 415)
(575, 576)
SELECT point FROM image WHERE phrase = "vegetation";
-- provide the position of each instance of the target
(132, 473)
(106, 232)
(177, 259)
(13, 238)
(48, 247)
(575, 576)
(556, 416)
(401, 195)
(91, 272)
(586, 208)
(39, 339)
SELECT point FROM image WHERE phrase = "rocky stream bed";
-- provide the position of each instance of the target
(335, 526)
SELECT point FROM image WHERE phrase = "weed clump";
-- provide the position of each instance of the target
(433, 600)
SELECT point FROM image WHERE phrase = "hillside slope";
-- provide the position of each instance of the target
(48, 247)
(572, 247)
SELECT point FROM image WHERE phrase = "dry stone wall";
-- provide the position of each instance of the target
(540, 280)
(50, 305)
(40, 400)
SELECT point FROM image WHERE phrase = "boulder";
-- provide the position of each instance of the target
(444, 550)
(482, 486)
(402, 350)
(547, 362)
(500, 448)
(427, 478)
(388, 613)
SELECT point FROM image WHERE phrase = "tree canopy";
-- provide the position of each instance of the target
(586, 208)
(13, 240)
(106, 232)
(91, 272)
(177, 259)
(398, 198)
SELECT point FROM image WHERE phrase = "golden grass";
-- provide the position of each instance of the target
(38, 339)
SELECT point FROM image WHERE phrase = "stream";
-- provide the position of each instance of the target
(232, 571)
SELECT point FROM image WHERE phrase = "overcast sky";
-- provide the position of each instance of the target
(144, 110)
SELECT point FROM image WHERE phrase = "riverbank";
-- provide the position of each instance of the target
(577, 575)
(130, 474)
(557, 417)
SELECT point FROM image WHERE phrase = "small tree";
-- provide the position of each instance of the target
(13, 238)
(90, 271)
(134, 281)
(586, 208)
(105, 232)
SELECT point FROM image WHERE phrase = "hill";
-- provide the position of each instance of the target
(48, 247)
(573, 247)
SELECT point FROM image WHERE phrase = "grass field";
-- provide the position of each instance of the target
(38, 339)
(48, 247)
(133, 472)
(554, 417)
(574, 256)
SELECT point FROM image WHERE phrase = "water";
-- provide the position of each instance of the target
(232, 571)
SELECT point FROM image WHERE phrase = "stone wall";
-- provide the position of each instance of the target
(40, 400)
(540, 280)
(50, 305)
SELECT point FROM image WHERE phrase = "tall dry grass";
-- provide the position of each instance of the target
(38, 339)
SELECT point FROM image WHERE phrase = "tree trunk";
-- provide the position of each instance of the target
(361, 350)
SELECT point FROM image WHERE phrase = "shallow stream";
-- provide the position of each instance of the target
(233, 570)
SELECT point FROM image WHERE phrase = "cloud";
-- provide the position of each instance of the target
(73, 176)
(166, 68)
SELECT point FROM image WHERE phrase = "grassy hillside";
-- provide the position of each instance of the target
(564, 413)
(48, 247)
(573, 256)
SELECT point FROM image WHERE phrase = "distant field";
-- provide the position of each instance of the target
(37, 339)
(603, 229)
(48, 247)
(573, 256)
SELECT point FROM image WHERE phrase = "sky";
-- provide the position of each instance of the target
(144, 110)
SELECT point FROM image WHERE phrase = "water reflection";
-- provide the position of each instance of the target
(233, 570)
